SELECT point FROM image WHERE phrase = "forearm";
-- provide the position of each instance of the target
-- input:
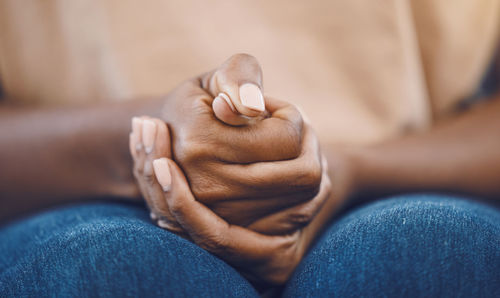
(461, 155)
(50, 156)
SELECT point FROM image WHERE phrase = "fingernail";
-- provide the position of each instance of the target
(162, 173)
(153, 216)
(137, 132)
(132, 144)
(228, 101)
(163, 224)
(148, 135)
(251, 97)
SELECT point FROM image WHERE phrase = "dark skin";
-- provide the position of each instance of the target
(70, 154)
(79, 150)
(441, 159)
(459, 155)
(243, 173)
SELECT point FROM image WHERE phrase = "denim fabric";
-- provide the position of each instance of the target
(411, 246)
(108, 250)
(406, 246)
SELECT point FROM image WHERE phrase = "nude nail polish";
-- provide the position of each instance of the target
(132, 145)
(228, 101)
(251, 97)
(137, 133)
(163, 224)
(148, 135)
(162, 173)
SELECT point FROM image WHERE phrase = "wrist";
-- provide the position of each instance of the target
(373, 174)
(349, 170)
(342, 170)
(107, 138)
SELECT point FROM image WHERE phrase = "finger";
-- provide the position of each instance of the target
(143, 172)
(224, 110)
(278, 137)
(238, 81)
(156, 141)
(135, 140)
(139, 157)
(296, 217)
(254, 207)
(206, 228)
(240, 78)
(279, 178)
(301, 203)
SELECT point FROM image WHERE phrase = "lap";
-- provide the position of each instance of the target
(107, 249)
(417, 245)
(412, 246)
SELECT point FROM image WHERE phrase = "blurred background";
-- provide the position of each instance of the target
(361, 70)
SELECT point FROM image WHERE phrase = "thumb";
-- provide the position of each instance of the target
(237, 88)
(206, 228)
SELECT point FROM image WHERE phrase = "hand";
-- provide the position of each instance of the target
(272, 246)
(263, 258)
(272, 216)
(149, 140)
(242, 173)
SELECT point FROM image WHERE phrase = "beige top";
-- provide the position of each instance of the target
(362, 70)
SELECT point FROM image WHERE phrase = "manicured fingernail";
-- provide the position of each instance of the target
(153, 216)
(162, 173)
(148, 135)
(133, 145)
(137, 132)
(251, 97)
(227, 100)
(163, 224)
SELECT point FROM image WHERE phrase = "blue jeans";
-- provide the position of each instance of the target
(417, 245)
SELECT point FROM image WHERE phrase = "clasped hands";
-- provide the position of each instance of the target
(239, 175)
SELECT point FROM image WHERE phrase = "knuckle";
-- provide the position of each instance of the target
(293, 132)
(137, 174)
(310, 177)
(144, 174)
(241, 63)
(243, 57)
(189, 151)
(207, 190)
(138, 169)
(294, 136)
(174, 206)
(295, 117)
(302, 217)
(148, 174)
(290, 132)
(176, 202)
(212, 243)
(164, 212)
(192, 145)
(149, 177)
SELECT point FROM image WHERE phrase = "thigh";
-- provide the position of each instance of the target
(419, 245)
(106, 249)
